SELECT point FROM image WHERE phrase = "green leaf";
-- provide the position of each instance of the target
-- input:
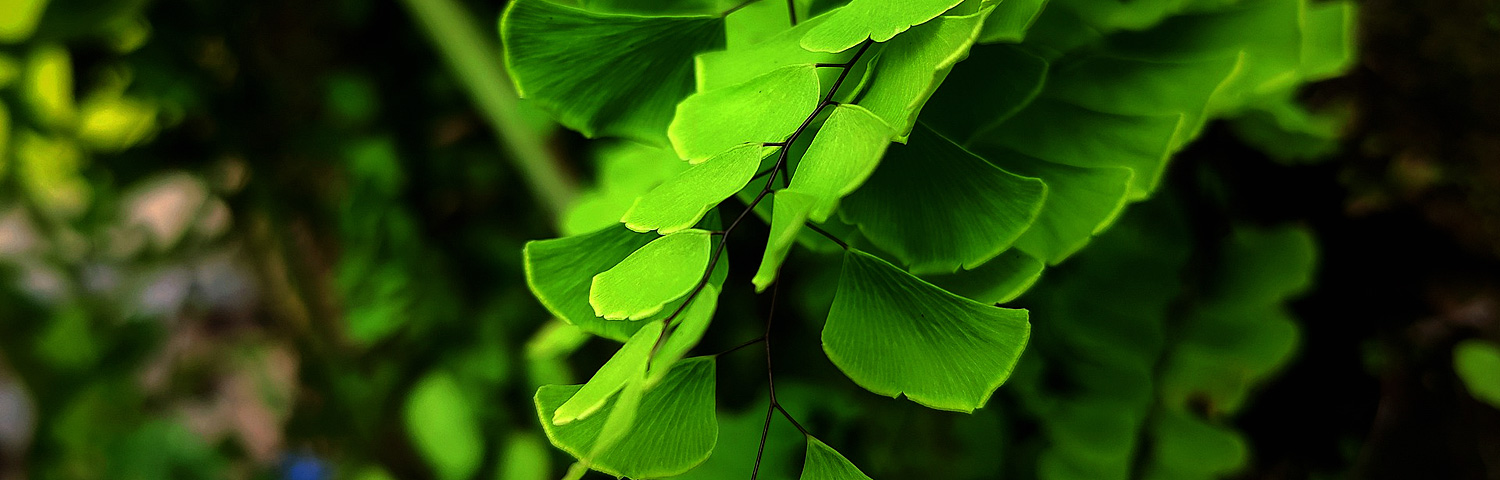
(688, 330)
(1081, 202)
(1478, 364)
(560, 272)
(1011, 20)
(628, 363)
(910, 68)
(1046, 130)
(844, 153)
(659, 7)
(443, 428)
(999, 280)
(895, 334)
(682, 200)
(626, 170)
(605, 74)
(741, 63)
(982, 92)
(877, 20)
(660, 272)
(765, 109)
(789, 212)
(673, 428)
(937, 207)
(825, 463)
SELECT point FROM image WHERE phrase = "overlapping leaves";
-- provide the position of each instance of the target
(1021, 134)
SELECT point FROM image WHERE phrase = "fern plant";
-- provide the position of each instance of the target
(948, 150)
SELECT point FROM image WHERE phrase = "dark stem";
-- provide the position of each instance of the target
(791, 9)
(737, 348)
(827, 235)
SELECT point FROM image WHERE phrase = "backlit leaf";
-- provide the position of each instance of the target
(825, 463)
(672, 430)
(877, 20)
(683, 199)
(912, 65)
(560, 272)
(841, 157)
(789, 210)
(660, 272)
(937, 207)
(765, 109)
(605, 74)
(1478, 364)
(895, 334)
(628, 363)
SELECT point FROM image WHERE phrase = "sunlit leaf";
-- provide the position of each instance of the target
(895, 334)
(628, 363)
(673, 428)
(605, 74)
(560, 272)
(48, 85)
(657, 273)
(970, 209)
(912, 65)
(825, 463)
(688, 328)
(683, 199)
(876, 20)
(765, 109)
(789, 212)
(841, 157)
(626, 170)
(739, 64)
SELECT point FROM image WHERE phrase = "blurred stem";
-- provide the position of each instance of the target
(477, 64)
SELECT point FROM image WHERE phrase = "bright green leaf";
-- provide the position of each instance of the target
(937, 207)
(626, 170)
(682, 200)
(673, 429)
(443, 428)
(660, 272)
(688, 329)
(765, 109)
(841, 157)
(910, 68)
(825, 463)
(877, 20)
(48, 85)
(560, 272)
(895, 334)
(789, 210)
(605, 74)
(740, 64)
(628, 363)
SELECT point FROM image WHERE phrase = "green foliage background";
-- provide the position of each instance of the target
(1086, 239)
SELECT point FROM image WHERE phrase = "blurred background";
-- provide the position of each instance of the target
(281, 240)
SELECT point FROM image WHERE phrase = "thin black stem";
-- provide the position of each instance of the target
(762, 173)
(765, 431)
(737, 348)
(781, 158)
(827, 235)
